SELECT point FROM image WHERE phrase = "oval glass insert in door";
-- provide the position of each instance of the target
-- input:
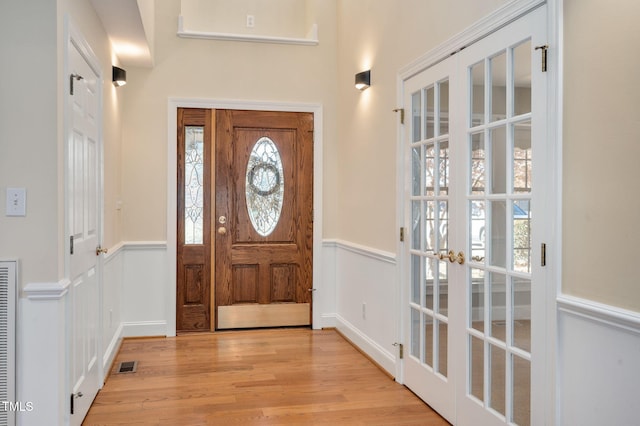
(264, 186)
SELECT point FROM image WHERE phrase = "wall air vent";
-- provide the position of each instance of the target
(8, 303)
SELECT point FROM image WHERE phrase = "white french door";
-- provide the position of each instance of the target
(473, 298)
(83, 223)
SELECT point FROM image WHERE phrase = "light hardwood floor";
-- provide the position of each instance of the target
(257, 377)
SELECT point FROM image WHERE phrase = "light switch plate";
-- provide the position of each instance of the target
(16, 202)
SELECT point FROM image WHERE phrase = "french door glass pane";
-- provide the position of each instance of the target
(430, 225)
(416, 107)
(415, 333)
(497, 378)
(428, 339)
(522, 157)
(521, 391)
(430, 273)
(430, 115)
(416, 262)
(497, 310)
(521, 222)
(477, 94)
(498, 222)
(522, 78)
(521, 322)
(443, 225)
(476, 316)
(477, 232)
(443, 338)
(416, 164)
(498, 87)
(443, 167)
(444, 108)
(416, 224)
(430, 169)
(498, 160)
(476, 376)
(477, 173)
(193, 185)
(443, 289)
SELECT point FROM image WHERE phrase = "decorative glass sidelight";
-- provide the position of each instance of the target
(264, 186)
(194, 185)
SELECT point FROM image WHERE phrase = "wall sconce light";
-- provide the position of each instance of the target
(119, 76)
(363, 80)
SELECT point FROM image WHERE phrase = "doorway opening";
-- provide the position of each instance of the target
(244, 219)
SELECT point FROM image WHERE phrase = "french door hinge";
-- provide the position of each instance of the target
(401, 110)
(71, 244)
(402, 233)
(543, 254)
(400, 349)
(544, 49)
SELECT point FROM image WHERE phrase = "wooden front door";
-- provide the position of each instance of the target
(264, 218)
(193, 307)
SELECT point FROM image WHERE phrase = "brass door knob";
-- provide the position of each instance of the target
(222, 230)
(101, 250)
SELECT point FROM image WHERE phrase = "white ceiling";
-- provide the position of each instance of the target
(123, 22)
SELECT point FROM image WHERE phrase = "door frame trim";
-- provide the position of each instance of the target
(553, 230)
(172, 182)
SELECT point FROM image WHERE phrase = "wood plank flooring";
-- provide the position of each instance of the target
(256, 377)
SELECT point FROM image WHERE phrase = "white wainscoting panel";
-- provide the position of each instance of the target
(112, 283)
(366, 299)
(324, 298)
(145, 273)
(42, 354)
(598, 366)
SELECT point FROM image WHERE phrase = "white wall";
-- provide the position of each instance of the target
(29, 129)
(216, 70)
(600, 149)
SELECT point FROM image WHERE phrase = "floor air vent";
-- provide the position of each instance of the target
(127, 367)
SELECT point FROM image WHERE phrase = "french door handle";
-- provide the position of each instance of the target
(453, 257)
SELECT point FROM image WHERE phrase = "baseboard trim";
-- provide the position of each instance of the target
(600, 312)
(375, 352)
(144, 328)
(364, 354)
(111, 352)
(327, 321)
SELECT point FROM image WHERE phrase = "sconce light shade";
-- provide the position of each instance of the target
(363, 80)
(119, 77)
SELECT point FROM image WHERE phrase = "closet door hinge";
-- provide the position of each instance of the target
(401, 110)
(72, 78)
(402, 234)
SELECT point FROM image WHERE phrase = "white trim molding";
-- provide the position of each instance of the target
(598, 312)
(172, 113)
(46, 291)
(144, 328)
(372, 253)
(511, 11)
(383, 357)
(310, 40)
